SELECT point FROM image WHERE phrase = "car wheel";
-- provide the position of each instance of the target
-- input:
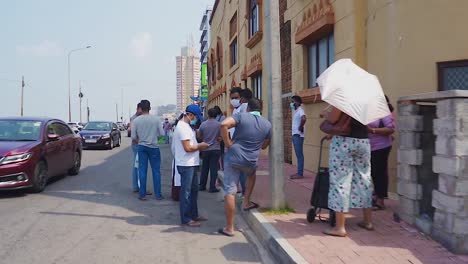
(40, 177)
(111, 143)
(119, 141)
(76, 165)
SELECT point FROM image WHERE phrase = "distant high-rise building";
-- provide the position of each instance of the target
(188, 76)
(204, 47)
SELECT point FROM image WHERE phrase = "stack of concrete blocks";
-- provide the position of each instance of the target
(450, 225)
(410, 125)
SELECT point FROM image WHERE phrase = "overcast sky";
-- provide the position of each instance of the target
(134, 44)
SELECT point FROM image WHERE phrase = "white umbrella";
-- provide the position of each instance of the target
(354, 91)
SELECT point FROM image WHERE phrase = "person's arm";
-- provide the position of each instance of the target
(225, 126)
(266, 143)
(333, 115)
(387, 130)
(134, 134)
(303, 121)
(200, 134)
(190, 148)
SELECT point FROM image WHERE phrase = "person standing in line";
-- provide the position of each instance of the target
(350, 174)
(209, 133)
(220, 118)
(145, 130)
(135, 151)
(187, 160)
(380, 138)
(167, 130)
(253, 133)
(298, 121)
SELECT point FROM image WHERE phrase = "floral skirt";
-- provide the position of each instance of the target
(350, 174)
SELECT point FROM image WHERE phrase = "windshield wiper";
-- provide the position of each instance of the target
(24, 140)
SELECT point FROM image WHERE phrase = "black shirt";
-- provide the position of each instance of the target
(358, 130)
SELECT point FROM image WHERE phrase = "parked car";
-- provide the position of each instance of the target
(121, 126)
(101, 134)
(33, 150)
(76, 126)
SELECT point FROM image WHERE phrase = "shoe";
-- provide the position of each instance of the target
(201, 189)
(201, 219)
(160, 198)
(296, 177)
(193, 224)
(214, 191)
(142, 198)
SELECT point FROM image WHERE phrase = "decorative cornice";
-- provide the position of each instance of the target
(244, 73)
(255, 64)
(317, 21)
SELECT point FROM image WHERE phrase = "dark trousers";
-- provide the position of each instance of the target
(188, 194)
(210, 164)
(379, 167)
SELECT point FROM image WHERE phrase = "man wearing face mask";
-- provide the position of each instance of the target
(298, 121)
(187, 159)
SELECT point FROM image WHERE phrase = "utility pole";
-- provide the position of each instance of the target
(121, 106)
(80, 95)
(22, 95)
(87, 110)
(117, 112)
(275, 113)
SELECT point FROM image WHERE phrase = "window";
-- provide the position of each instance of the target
(257, 86)
(253, 18)
(453, 75)
(213, 70)
(320, 55)
(233, 52)
(219, 54)
(233, 26)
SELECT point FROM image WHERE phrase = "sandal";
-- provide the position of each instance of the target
(193, 224)
(201, 219)
(367, 226)
(222, 231)
(333, 232)
(253, 206)
(142, 198)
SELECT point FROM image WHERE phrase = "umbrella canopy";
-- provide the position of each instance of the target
(354, 91)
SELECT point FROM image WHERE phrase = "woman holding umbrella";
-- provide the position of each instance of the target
(350, 174)
(357, 96)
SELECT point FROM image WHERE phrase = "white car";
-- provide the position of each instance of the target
(75, 126)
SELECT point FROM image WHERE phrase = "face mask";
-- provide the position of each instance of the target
(194, 121)
(256, 113)
(235, 102)
(292, 106)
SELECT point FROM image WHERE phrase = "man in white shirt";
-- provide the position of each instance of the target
(298, 121)
(146, 129)
(187, 159)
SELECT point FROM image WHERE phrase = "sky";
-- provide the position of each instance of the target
(134, 45)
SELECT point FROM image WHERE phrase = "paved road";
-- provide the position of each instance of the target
(95, 218)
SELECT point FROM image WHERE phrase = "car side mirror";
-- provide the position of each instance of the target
(52, 137)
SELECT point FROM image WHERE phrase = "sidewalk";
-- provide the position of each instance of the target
(391, 242)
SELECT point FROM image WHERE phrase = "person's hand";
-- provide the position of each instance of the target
(229, 143)
(301, 129)
(203, 146)
(219, 139)
(328, 137)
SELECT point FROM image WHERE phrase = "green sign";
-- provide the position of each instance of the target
(204, 94)
(204, 75)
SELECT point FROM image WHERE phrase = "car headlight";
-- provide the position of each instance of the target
(105, 136)
(15, 158)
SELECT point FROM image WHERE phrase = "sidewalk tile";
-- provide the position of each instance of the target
(391, 242)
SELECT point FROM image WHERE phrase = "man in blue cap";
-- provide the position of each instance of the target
(187, 159)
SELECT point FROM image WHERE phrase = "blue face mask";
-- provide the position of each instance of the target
(194, 122)
(292, 106)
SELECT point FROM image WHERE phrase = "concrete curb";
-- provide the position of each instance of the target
(277, 246)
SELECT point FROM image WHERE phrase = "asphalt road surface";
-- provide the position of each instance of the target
(95, 218)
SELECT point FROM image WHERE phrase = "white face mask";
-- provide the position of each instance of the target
(235, 102)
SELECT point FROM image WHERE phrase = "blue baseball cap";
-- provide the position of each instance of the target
(194, 109)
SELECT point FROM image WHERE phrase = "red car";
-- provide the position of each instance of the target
(33, 150)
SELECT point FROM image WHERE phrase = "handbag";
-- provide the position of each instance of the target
(341, 128)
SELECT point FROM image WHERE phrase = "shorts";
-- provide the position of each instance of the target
(232, 174)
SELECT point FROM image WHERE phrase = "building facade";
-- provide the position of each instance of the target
(204, 48)
(415, 46)
(188, 77)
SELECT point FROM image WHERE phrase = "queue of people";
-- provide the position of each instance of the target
(358, 160)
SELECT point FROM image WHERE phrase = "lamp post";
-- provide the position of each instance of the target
(69, 85)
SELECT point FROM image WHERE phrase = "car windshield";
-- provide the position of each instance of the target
(20, 130)
(101, 126)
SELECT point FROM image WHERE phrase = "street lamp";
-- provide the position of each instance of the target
(69, 85)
